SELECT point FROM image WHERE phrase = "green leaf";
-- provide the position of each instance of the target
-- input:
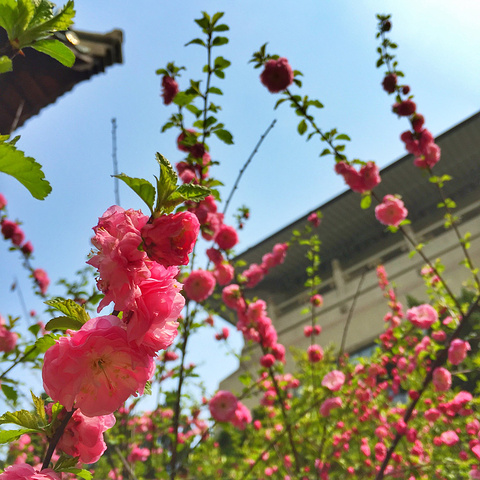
(224, 135)
(217, 41)
(8, 16)
(143, 188)
(221, 63)
(45, 342)
(69, 308)
(279, 102)
(221, 28)
(167, 183)
(366, 202)
(148, 389)
(23, 418)
(39, 406)
(65, 462)
(5, 64)
(8, 436)
(181, 99)
(215, 90)
(10, 392)
(57, 50)
(192, 192)
(326, 151)
(302, 127)
(196, 41)
(79, 472)
(342, 136)
(63, 323)
(25, 169)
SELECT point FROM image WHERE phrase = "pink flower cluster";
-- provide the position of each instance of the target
(361, 181)
(169, 89)
(391, 211)
(277, 75)
(225, 407)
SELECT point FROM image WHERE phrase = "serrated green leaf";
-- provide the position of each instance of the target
(39, 406)
(143, 188)
(23, 418)
(57, 50)
(5, 64)
(192, 192)
(167, 183)
(224, 135)
(65, 462)
(8, 436)
(365, 202)
(63, 323)
(69, 308)
(25, 169)
(148, 389)
(8, 15)
(9, 392)
(45, 342)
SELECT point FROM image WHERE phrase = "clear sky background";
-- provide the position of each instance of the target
(332, 42)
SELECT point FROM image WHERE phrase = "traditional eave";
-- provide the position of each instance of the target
(37, 80)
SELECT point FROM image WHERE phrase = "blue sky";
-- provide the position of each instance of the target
(332, 43)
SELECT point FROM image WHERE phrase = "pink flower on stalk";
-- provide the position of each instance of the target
(170, 239)
(389, 83)
(199, 285)
(226, 237)
(254, 274)
(83, 436)
(423, 316)
(224, 273)
(277, 75)
(442, 379)
(169, 89)
(138, 454)
(3, 202)
(22, 471)
(316, 300)
(458, 351)
(97, 366)
(152, 321)
(314, 219)
(41, 278)
(404, 108)
(27, 248)
(12, 231)
(189, 133)
(391, 211)
(267, 360)
(364, 180)
(242, 416)
(315, 353)
(223, 406)
(8, 339)
(334, 380)
(330, 404)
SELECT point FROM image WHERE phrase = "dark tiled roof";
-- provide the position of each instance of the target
(37, 80)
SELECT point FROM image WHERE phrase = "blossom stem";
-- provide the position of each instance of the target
(56, 438)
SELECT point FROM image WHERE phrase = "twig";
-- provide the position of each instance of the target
(56, 438)
(18, 114)
(250, 158)
(349, 318)
(114, 158)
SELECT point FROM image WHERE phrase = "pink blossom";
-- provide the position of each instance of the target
(423, 316)
(223, 406)
(97, 366)
(277, 75)
(315, 353)
(391, 211)
(329, 404)
(27, 248)
(334, 380)
(22, 471)
(314, 219)
(169, 89)
(458, 351)
(41, 278)
(138, 454)
(120, 262)
(12, 231)
(278, 352)
(242, 416)
(449, 438)
(152, 321)
(215, 256)
(8, 339)
(232, 297)
(389, 83)
(226, 237)
(199, 285)
(267, 360)
(404, 108)
(316, 300)
(3, 202)
(83, 436)
(187, 136)
(170, 239)
(254, 274)
(224, 273)
(442, 379)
